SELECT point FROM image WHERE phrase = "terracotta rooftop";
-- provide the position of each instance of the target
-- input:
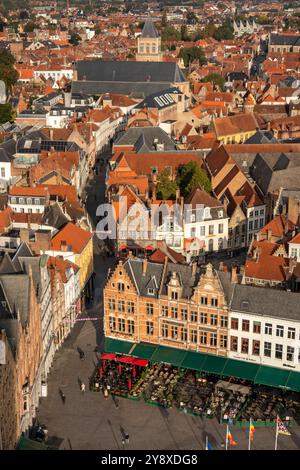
(72, 237)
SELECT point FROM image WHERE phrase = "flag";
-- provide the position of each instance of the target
(230, 439)
(281, 429)
(208, 445)
(252, 430)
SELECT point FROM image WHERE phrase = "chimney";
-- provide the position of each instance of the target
(234, 278)
(292, 265)
(145, 264)
(177, 195)
(293, 210)
(51, 134)
(194, 268)
(63, 245)
(154, 193)
(256, 254)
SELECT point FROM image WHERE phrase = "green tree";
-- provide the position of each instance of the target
(191, 17)
(166, 188)
(170, 34)
(164, 21)
(224, 32)
(7, 71)
(30, 27)
(6, 113)
(189, 54)
(262, 19)
(75, 39)
(190, 176)
(216, 79)
(184, 33)
(209, 30)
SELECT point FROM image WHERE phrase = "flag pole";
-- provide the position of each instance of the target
(276, 436)
(226, 446)
(249, 439)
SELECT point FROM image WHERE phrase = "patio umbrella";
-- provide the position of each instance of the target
(134, 372)
(129, 384)
(119, 369)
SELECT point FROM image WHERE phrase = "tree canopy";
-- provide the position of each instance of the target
(166, 188)
(190, 176)
(7, 71)
(5, 113)
(29, 27)
(75, 39)
(189, 54)
(170, 34)
(216, 79)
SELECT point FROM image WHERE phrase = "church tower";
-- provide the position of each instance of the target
(149, 43)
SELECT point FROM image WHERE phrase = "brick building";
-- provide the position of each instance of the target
(168, 304)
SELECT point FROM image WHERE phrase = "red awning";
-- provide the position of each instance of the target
(126, 359)
(149, 247)
(140, 362)
(123, 247)
(109, 356)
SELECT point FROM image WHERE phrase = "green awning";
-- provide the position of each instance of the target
(193, 360)
(240, 369)
(29, 444)
(263, 375)
(293, 382)
(143, 350)
(168, 355)
(214, 364)
(272, 376)
(117, 346)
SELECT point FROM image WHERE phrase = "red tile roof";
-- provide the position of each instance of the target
(73, 237)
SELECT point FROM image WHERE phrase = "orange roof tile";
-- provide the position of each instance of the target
(73, 237)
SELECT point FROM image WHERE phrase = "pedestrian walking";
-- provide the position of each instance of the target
(123, 442)
(82, 387)
(63, 397)
(127, 438)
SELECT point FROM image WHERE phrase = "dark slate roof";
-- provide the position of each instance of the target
(145, 143)
(237, 76)
(55, 217)
(184, 274)
(274, 170)
(160, 100)
(16, 288)
(134, 89)
(11, 327)
(128, 71)
(149, 30)
(134, 268)
(262, 137)
(6, 265)
(266, 302)
(284, 40)
(7, 150)
(288, 82)
(225, 280)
